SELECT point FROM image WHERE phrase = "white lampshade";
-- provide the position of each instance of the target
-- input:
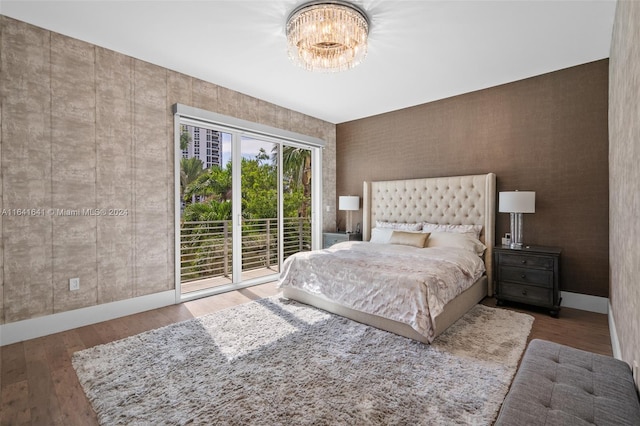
(517, 202)
(349, 202)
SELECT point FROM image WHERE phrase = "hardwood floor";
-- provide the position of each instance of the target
(39, 386)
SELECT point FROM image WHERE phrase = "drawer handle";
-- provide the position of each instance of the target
(524, 292)
(523, 262)
(523, 276)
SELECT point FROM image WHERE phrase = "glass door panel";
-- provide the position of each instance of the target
(206, 232)
(296, 194)
(260, 206)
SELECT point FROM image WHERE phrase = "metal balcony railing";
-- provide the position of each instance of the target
(206, 247)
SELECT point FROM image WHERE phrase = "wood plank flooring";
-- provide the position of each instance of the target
(39, 386)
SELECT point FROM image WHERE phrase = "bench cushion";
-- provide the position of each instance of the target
(559, 385)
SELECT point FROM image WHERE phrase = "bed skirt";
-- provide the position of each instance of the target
(451, 313)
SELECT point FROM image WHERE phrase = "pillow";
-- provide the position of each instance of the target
(457, 240)
(399, 226)
(381, 235)
(473, 230)
(415, 239)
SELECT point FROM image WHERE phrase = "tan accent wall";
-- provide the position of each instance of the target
(624, 177)
(85, 127)
(546, 134)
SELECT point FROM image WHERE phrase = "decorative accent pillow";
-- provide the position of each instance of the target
(415, 239)
(381, 235)
(399, 226)
(473, 230)
(457, 240)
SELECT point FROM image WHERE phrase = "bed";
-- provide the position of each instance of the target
(315, 277)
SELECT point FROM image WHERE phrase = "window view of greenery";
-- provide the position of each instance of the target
(206, 200)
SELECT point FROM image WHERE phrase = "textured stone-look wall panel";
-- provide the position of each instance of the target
(229, 102)
(282, 118)
(329, 190)
(266, 113)
(27, 267)
(152, 175)
(624, 157)
(26, 170)
(73, 177)
(203, 94)
(547, 134)
(26, 160)
(249, 109)
(114, 174)
(74, 255)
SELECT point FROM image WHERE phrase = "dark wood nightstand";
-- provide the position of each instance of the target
(331, 238)
(528, 275)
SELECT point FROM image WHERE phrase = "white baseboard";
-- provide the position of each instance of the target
(55, 323)
(615, 343)
(585, 302)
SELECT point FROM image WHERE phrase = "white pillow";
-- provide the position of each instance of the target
(399, 226)
(457, 240)
(473, 230)
(381, 235)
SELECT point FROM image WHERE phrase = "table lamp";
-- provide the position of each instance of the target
(349, 203)
(516, 203)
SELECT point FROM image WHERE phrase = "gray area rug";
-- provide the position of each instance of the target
(278, 362)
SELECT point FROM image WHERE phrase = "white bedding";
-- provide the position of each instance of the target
(401, 283)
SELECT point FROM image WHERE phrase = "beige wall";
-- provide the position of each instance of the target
(86, 127)
(547, 134)
(624, 178)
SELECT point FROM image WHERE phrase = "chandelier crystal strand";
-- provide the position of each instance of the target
(329, 37)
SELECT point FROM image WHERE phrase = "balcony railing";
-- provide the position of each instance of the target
(206, 247)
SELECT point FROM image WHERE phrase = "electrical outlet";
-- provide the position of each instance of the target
(74, 284)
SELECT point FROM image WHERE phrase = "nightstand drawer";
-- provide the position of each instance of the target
(536, 277)
(526, 261)
(527, 294)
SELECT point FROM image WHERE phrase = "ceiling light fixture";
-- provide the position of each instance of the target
(327, 36)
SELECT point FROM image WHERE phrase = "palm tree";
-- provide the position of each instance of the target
(185, 138)
(190, 170)
(296, 163)
(214, 183)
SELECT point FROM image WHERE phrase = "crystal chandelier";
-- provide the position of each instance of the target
(327, 36)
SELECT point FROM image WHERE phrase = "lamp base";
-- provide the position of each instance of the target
(349, 227)
(516, 230)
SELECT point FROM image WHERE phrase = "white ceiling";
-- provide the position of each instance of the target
(419, 51)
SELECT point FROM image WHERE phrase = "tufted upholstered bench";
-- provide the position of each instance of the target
(559, 385)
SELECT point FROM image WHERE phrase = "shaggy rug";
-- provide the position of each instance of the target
(278, 362)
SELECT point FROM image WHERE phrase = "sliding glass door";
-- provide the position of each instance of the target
(245, 206)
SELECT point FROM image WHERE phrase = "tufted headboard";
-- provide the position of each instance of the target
(458, 200)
